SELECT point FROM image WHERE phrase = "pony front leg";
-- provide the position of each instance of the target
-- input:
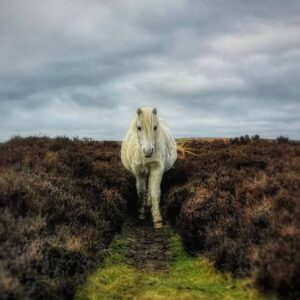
(154, 190)
(141, 191)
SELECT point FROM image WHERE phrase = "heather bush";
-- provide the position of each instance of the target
(240, 207)
(61, 203)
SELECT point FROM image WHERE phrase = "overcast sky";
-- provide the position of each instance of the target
(212, 68)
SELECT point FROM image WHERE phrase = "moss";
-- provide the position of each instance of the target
(188, 278)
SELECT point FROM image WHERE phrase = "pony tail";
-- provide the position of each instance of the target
(183, 149)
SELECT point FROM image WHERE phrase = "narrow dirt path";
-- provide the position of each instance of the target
(147, 249)
(144, 263)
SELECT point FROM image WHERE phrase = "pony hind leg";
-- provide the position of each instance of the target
(147, 200)
(141, 186)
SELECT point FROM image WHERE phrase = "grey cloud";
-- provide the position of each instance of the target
(221, 68)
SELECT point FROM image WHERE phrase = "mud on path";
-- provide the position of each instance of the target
(148, 249)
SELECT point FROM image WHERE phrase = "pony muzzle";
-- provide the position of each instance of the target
(148, 152)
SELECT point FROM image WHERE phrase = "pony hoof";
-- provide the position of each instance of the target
(158, 225)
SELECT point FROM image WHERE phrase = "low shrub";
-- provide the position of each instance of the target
(240, 206)
(61, 203)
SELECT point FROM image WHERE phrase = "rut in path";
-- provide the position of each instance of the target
(147, 248)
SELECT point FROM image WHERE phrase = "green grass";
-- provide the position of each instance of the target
(188, 278)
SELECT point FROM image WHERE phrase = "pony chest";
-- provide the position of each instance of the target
(144, 168)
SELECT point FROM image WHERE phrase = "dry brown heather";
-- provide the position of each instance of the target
(62, 201)
(239, 203)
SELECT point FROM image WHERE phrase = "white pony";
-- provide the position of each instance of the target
(148, 151)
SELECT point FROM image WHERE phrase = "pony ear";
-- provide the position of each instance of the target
(139, 111)
(154, 110)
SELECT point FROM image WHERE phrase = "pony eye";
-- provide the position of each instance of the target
(139, 128)
(155, 127)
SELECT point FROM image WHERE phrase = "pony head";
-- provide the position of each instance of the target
(147, 127)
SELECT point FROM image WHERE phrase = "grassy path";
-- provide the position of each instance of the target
(146, 264)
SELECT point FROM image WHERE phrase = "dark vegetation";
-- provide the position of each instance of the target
(239, 203)
(62, 201)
